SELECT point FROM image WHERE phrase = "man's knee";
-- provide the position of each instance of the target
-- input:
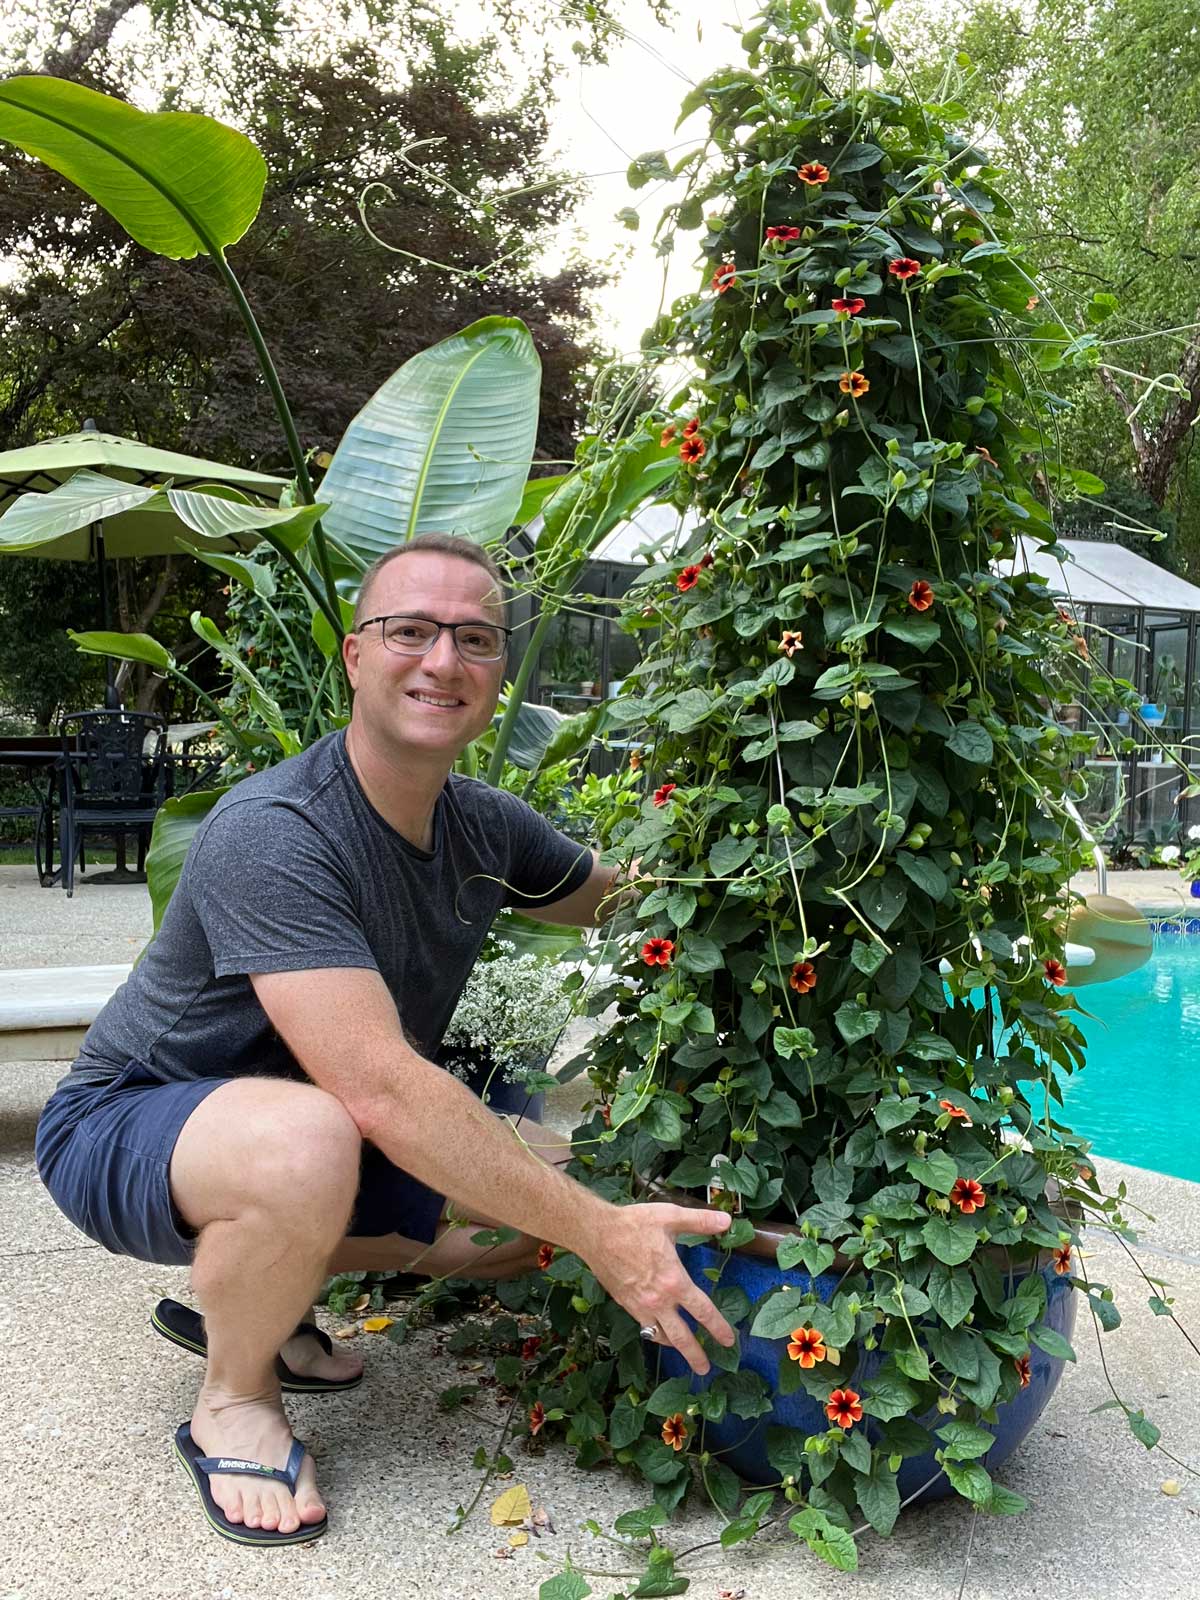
(289, 1149)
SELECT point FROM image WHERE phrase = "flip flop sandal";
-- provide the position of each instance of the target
(185, 1327)
(200, 1468)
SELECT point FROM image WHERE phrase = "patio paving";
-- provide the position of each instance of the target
(93, 1505)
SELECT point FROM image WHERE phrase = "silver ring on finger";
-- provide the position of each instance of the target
(650, 1331)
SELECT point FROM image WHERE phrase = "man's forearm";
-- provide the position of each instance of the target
(431, 1125)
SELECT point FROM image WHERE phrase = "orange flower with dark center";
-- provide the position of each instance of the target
(904, 268)
(784, 235)
(1023, 1370)
(854, 383)
(537, 1417)
(658, 952)
(675, 1431)
(1033, 301)
(663, 794)
(1062, 1261)
(1055, 972)
(692, 448)
(690, 427)
(803, 978)
(530, 1348)
(545, 1256)
(791, 642)
(849, 307)
(920, 596)
(844, 1407)
(968, 1195)
(986, 455)
(813, 173)
(806, 1346)
(724, 278)
(635, 762)
(687, 579)
(956, 1112)
(667, 436)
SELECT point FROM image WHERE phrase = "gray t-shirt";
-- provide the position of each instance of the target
(294, 869)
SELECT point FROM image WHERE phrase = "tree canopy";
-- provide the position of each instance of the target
(93, 326)
(1095, 109)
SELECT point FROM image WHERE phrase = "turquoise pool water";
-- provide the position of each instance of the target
(1137, 1098)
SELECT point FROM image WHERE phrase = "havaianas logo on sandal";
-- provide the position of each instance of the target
(224, 1465)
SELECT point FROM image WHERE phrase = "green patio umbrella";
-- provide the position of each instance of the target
(62, 500)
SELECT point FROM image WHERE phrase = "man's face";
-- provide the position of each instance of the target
(435, 703)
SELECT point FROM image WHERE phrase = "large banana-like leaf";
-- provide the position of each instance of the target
(595, 498)
(124, 647)
(533, 730)
(180, 184)
(215, 512)
(258, 579)
(35, 519)
(264, 704)
(221, 513)
(444, 446)
(174, 828)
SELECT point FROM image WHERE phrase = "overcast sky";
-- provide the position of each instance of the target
(606, 116)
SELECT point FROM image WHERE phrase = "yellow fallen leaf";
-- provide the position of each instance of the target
(361, 1304)
(378, 1324)
(512, 1507)
(1172, 1486)
(518, 1539)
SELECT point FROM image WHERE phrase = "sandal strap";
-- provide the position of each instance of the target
(234, 1466)
(316, 1333)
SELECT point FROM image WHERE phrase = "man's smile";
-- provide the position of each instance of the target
(445, 702)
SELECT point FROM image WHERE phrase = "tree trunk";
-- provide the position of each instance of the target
(68, 63)
(1157, 445)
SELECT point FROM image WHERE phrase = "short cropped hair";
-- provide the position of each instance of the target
(443, 544)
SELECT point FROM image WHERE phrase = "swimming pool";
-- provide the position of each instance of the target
(1136, 1099)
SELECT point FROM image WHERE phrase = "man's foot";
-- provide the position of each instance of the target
(255, 1429)
(309, 1364)
(304, 1355)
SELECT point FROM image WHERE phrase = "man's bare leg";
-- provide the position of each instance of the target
(266, 1171)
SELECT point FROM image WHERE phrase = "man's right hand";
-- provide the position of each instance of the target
(633, 1254)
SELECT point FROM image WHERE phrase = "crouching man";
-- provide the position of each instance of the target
(259, 1099)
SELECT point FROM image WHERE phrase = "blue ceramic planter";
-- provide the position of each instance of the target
(743, 1445)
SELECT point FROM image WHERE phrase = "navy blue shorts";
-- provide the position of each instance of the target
(104, 1151)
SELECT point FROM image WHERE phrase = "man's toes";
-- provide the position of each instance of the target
(231, 1504)
(309, 1505)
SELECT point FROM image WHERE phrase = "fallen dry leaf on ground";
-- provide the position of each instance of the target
(516, 1540)
(361, 1304)
(1172, 1486)
(346, 1333)
(512, 1507)
(378, 1324)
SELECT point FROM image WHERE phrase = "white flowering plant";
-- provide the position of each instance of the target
(1187, 859)
(512, 1011)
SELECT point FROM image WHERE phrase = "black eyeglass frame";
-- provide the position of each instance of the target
(407, 616)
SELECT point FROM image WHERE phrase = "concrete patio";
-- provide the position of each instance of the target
(94, 1505)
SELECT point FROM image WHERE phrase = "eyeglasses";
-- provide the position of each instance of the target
(416, 636)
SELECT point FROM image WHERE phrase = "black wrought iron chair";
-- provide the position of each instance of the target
(112, 780)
